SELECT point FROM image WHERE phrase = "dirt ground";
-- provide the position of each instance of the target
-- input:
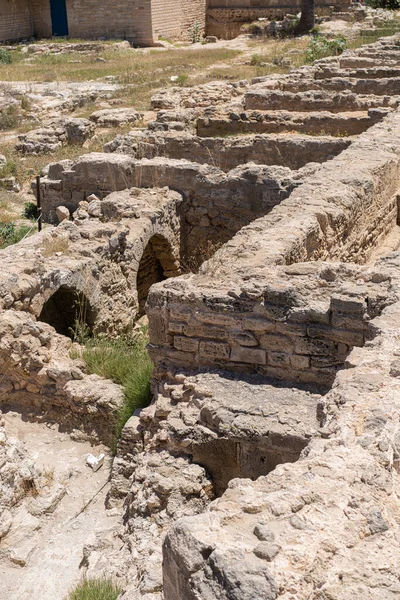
(41, 557)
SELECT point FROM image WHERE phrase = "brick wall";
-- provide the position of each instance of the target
(166, 18)
(15, 20)
(139, 21)
(126, 19)
(41, 17)
(173, 19)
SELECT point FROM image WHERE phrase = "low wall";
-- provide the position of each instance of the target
(216, 204)
(38, 378)
(273, 329)
(220, 123)
(228, 153)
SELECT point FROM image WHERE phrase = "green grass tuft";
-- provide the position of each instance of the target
(95, 589)
(126, 362)
(10, 234)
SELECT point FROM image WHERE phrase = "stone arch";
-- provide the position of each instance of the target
(65, 308)
(157, 263)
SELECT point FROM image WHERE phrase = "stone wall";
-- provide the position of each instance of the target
(316, 523)
(216, 204)
(227, 154)
(273, 328)
(226, 17)
(102, 263)
(15, 20)
(39, 378)
(341, 212)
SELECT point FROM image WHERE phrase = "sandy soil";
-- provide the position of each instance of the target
(51, 546)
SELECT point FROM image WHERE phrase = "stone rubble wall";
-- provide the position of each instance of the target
(39, 377)
(216, 204)
(268, 328)
(227, 154)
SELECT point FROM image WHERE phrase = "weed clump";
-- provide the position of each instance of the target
(320, 47)
(9, 117)
(95, 589)
(5, 56)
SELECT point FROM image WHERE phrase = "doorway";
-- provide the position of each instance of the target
(59, 19)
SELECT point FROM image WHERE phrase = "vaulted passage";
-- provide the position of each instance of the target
(157, 263)
(67, 310)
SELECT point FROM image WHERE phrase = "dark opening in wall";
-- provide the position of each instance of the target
(157, 263)
(68, 310)
(228, 459)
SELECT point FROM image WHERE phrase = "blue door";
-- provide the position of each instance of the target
(59, 21)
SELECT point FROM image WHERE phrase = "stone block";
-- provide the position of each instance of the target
(278, 359)
(351, 338)
(299, 361)
(345, 304)
(249, 355)
(244, 338)
(186, 344)
(215, 350)
(158, 328)
(278, 343)
(314, 346)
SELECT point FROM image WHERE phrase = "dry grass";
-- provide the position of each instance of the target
(32, 164)
(205, 251)
(52, 246)
(142, 71)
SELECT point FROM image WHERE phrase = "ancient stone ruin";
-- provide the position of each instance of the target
(257, 225)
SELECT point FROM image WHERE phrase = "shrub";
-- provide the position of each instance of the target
(389, 4)
(319, 47)
(10, 234)
(125, 361)
(194, 32)
(8, 170)
(9, 117)
(30, 211)
(256, 59)
(5, 56)
(95, 589)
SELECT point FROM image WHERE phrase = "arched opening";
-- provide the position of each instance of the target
(69, 312)
(157, 263)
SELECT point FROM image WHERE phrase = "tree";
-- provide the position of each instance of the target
(307, 18)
